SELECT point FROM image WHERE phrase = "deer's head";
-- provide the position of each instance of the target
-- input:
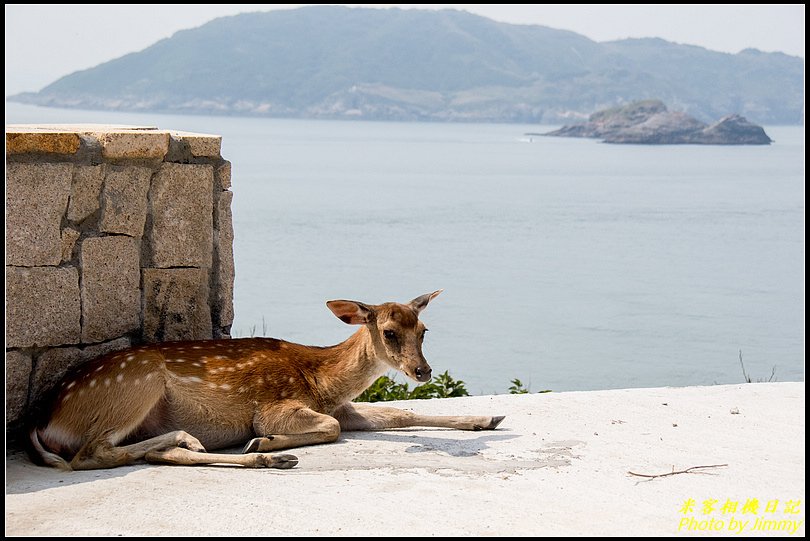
(395, 329)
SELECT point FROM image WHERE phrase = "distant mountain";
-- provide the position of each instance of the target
(336, 62)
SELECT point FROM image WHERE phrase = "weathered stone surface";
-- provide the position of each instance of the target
(223, 175)
(182, 216)
(52, 365)
(222, 310)
(97, 350)
(18, 372)
(111, 301)
(200, 144)
(36, 199)
(104, 215)
(42, 306)
(133, 144)
(176, 305)
(69, 238)
(85, 192)
(22, 141)
(123, 208)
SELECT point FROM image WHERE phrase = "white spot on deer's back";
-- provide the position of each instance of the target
(231, 369)
(130, 357)
(260, 380)
(283, 394)
(66, 397)
(225, 387)
(107, 382)
(137, 381)
(71, 384)
(93, 382)
(212, 385)
(99, 368)
(241, 389)
(196, 347)
(123, 365)
(119, 378)
(292, 380)
(196, 364)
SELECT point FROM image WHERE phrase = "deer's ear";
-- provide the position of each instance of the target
(351, 312)
(419, 303)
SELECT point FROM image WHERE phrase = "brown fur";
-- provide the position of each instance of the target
(147, 401)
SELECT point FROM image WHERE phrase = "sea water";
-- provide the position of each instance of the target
(566, 263)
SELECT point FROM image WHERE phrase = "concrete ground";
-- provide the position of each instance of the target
(558, 465)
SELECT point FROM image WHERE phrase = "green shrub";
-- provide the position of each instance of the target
(385, 389)
(517, 387)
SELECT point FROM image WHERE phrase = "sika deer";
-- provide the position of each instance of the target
(168, 403)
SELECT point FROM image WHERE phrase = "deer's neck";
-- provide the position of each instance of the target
(349, 369)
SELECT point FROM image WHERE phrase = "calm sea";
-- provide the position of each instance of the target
(566, 263)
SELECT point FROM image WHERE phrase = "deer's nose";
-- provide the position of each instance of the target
(423, 374)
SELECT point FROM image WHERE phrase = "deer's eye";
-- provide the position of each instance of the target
(390, 335)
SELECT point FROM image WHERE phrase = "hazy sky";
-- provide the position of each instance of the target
(46, 42)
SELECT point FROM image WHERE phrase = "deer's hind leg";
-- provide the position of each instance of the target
(187, 457)
(105, 403)
(120, 418)
(103, 453)
(176, 447)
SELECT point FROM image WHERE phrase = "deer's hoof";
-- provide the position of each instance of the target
(284, 462)
(258, 445)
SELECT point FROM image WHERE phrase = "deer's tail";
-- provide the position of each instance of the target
(45, 456)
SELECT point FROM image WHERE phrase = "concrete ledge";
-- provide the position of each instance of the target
(558, 466)
(24, 141)
(117, 141)
(200, 144)
(117, 145)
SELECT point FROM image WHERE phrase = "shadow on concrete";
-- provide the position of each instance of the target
(23, 476)
(456, 447)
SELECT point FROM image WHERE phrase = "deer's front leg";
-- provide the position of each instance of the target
(290, 424)
(354, 416)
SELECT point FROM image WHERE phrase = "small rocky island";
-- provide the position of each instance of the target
(648, 122)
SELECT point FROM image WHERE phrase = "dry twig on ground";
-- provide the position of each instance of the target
(673, 472)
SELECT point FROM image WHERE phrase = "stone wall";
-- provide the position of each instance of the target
(115, 236)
